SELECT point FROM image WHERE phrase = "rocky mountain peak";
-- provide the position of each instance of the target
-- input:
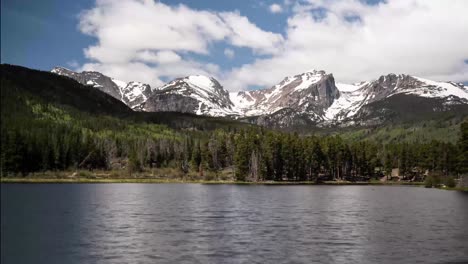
(311, 91)
(192, 94)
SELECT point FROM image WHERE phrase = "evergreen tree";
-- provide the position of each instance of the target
(463, 148)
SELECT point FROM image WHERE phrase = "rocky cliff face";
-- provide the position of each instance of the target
(311, 92)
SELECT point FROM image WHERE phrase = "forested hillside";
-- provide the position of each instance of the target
(52, 123)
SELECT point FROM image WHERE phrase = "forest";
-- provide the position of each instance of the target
(40, 134)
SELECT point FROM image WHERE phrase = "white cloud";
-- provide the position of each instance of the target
(426, 38)
(155, 38)
(246, 34)
(160, 57)
(229, 53)
(288, 2)
(138, 71)
(275, 8)
(144, 40)
(128, 25)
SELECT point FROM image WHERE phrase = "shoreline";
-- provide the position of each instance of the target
(214, 182)
(162, 181)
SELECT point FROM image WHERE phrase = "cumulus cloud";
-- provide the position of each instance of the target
(246, 34)
(275, 8)
(149, 41)
(355, 41)
(229, 53)
(155, 38)
(160, 57)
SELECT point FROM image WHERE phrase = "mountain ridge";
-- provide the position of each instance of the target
(309, 98)
(132, 93)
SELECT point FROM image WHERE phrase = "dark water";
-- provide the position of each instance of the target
(192, 223)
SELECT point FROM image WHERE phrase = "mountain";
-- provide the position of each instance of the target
(54, 123)
(391, 93)
(23, 86)
(430, 110)
(302, 99)
(196, 94)
(312, 98)
(57, 90)
(312, 91)
(132, 93)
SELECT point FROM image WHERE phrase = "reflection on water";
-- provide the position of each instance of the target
(192, 223)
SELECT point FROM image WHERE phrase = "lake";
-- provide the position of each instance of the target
(196, 223)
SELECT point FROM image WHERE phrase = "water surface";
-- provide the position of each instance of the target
(194, 223)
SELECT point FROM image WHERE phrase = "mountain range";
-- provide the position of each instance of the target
(312, 98)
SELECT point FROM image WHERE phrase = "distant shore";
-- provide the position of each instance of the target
(30, 180)
(152, 180)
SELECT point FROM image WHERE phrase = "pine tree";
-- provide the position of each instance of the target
(463, 148)
(241, 157)
(196, 157)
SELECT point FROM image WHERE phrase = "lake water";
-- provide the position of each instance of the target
(195, 223)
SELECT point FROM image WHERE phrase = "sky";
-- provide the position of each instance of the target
(245, 44)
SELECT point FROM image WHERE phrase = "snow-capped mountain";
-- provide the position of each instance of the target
(309, 93)
(193, 94)
(309, 98)
(132, 93)
(196, 94)
(351, 101)
(313, 98)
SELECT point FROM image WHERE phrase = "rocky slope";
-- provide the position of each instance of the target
(132, 93)
(193, 94)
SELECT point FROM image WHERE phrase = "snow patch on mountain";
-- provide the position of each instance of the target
(438, 89)
(308, 79)
(241, 100)
(119, 83)
(344, 87)
(201, 81)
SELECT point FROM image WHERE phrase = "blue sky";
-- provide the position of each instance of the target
(355, 40)
(44, 34)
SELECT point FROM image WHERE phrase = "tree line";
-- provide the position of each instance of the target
(44, 137)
